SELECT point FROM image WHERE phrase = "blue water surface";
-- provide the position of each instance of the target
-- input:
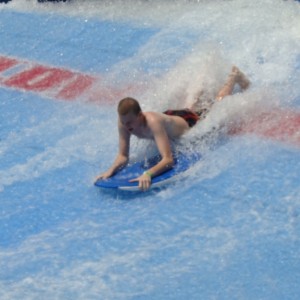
(229, 229)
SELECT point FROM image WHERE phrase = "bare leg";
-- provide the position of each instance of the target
(236, 76)
(202, 107)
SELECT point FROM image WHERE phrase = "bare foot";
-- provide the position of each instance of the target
(240, 78)
(229, 85)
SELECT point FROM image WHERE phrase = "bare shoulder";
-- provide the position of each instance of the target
(152, 115)
(154, 118)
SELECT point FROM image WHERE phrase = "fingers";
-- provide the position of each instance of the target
(144, 182)
(102, 176)
(98, 178)
(144, 185)
(133, 180)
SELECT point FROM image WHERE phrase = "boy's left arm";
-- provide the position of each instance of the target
(163, 144)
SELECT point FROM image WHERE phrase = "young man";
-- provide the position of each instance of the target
(161, 127)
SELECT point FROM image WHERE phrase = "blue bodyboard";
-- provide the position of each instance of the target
(120, 180)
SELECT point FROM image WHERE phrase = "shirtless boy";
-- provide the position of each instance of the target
(161, 127)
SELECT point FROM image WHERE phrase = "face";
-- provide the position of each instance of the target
(130, 121)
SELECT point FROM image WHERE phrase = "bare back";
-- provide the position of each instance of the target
(173, 125)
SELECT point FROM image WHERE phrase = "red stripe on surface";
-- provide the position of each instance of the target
(58, 83)
(38, 78)
(78, 86)
(279, 124)
(7, 63)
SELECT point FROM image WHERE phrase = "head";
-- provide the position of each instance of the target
(128, 105)
(130, 113)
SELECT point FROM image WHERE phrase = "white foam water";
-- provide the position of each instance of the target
(228, 230)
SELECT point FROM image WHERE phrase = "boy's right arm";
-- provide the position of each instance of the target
(123, 155)
(118, 164)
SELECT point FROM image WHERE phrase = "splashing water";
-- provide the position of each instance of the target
(228, 230)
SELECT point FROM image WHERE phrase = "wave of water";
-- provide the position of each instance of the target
(228, 230)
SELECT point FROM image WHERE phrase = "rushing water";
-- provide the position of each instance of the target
(228, 230)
